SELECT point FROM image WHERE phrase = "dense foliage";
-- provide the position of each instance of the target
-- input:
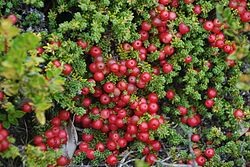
(122, 81)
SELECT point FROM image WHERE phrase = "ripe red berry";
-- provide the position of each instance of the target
(131, 64)
(183, 28)
(195, 138)
(12, 18)
(167, 68)
(170, 94)
(239, 114)
(67, 69)
(169, 50)
(151, 158)
(64, 115)
(56, 63)
(109, 87)
(209, 152)
(165, 37)
(112, 160)
(62, 161)
(145, 77)
(211, 93)
(209, 103)
(111, 145)
(100, 147)
(137, 44)
(39, 50)
(188, 59)
(82, 44)
(26, 107)
(37, 140)
(200, 160)
(156, 145)
(193, 121)
(99, 76)
(146, 26)
(183, 110)
(90, 154)
(122, 142)
(87, 137)
(143, 136)
(197, 9)
(83, 146)
(153, 123)
(1, 95)
(95, 51)
(208, 25)
(245, 16)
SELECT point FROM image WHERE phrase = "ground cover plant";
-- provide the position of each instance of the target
(124, 83)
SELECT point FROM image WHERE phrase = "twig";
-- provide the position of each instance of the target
(124, 158)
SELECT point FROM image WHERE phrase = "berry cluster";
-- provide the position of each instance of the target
(4, 143)
(56, 136)
(241, 7)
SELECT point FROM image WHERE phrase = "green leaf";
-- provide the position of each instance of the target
(41, 117)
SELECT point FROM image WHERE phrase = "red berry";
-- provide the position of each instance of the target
(200, 160)
(99, 76)
(183, 110)
(188, 59)
(1, 96)
(172, 15)
(37, 140)
(211, 93)
(167, 68)
(193, 121)
(245, 16)
(90, 154)
(12, 18)
(111, 145)
(164, 15)
(122, 142)
(105, 99)
(239, 114)
(112, 160)
(169, 50)
(209, 152)
(151, 158)
(165, 37)
(197, 9)
(153, 124)
(109, 87)
(170, 94)
(83, 146)
(39, 50)
(183, 28)
(209, 103)
(97, 124)
(156, 145)
(67, 69)
(26, 107)
(64, 115)
(143, 136)
(87, 137)
(62, 161)
(208, 25)
(146, 26)
(131, 64)
(137, 44)
(100, 147)
(195, 138)
(95, 51)
(82, 44)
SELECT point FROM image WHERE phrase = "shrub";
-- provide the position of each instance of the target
(117, 81)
